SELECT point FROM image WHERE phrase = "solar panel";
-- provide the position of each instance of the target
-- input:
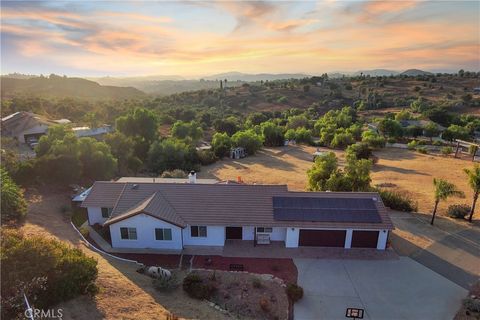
(325, 209)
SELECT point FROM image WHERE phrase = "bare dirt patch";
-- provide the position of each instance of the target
(247, 295)
(396, 169)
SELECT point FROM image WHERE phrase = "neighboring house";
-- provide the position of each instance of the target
(178, 215)
(97, 133)
(27, 127)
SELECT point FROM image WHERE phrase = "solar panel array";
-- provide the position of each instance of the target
(325, 209)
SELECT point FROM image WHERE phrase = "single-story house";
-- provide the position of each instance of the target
(27, 127)
(175, 215)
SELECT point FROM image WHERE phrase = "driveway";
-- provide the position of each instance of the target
(450, 248)
(386, 289)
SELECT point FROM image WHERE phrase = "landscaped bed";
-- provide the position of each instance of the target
(284, 269)
(246, 295)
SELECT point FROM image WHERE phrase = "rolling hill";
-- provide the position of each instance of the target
(59, 87)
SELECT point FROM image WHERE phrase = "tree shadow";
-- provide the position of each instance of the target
(395, 154)
(381, 167)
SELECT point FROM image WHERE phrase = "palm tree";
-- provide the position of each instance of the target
(443, 190)
(474, 182)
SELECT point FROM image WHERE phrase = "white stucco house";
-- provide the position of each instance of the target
(160, 215)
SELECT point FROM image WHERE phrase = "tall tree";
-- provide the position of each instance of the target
(474, 182)
(14, 206)
(443, 190)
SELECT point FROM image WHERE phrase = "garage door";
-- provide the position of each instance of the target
(364, 239)
(322, 238)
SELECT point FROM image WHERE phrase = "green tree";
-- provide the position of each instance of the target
(229, 125)
(14, 206)
(391, 128)
(456, 132)
(297, 121)
(97, 161)
(122, 148)
(323, 167)
(139, 122)
(358, 151)
(373, 139)
(431, 130)
(272, 134)
(443, 190)
(170, 154)
(342, 139)
(249, 140)
(182, 130)
(474, 182)
(357, 172)
(221, 144)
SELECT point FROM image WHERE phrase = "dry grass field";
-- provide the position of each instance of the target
(398, 169)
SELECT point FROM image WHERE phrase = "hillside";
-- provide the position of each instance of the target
(58, 87)
(415, 72)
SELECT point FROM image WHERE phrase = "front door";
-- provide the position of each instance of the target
(233, 233)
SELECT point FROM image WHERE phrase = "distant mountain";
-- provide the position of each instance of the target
(56, 86)
(16, 75)
(376, 72)
(415, 72)
(130, 81)
(238, 76)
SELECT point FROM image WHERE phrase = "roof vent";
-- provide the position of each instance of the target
(375, 199)
(135, 186)
(192, 177)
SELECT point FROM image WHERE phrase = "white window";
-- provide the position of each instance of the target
(163, 234)
(264, 230)
(198, 231)
(128, 233)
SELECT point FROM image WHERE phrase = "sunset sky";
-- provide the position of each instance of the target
(198, 38)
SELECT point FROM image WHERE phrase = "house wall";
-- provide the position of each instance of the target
(248, 233)
(215, 237)
(145, 225)
(95, 216)
(38, 129)
(278, 234)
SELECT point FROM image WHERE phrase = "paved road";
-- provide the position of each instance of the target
(448, 248)
(386, 289)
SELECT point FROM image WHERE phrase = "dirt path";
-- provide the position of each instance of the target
(124, 293)
(402, 170)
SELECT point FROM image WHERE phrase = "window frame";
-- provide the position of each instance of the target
(130, 232)
(264, 229)
(164, 232)
(198, 231)
(108, 211)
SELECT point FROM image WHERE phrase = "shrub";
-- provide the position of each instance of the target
(195, 287)
(166, 284)
(256, 283)
(207, 157)
(47, 270)
(422, 150)
(264, 305)
(472, 305)
(412, 145)
(446, 150)
(176, 173)
(397, 201)
(458, 211)
(79, 217)
(14, 206)
(391, 140)
(294, 292)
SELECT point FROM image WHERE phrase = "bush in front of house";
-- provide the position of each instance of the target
(46, 270)
(472, 304)
(412, 145)
(458, 211)
(397, 201)
(294, 292)
(446, 150)
(166, 284)
(422, 150)
(196, 287)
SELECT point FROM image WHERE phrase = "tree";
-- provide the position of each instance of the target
(97, 161)
(272, 134)
(229, 125)
(249, 140)
(182, 130)
(342, 139)
(170, 154)
(443, 190)
(14, 206)
(357, 172)
(474, 182)
(391, 128)
(122, 148)
(431, 130)
(373, 139)
(221, 144)
(358, 151)
(297, 121)
(456, 132)
(139, 122)
(323, 167)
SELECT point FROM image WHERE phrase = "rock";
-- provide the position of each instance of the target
(211, 304)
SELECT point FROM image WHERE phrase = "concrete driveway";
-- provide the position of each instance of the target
(386, 289)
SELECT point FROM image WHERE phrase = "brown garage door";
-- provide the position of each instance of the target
(364, 239)
(322, 238)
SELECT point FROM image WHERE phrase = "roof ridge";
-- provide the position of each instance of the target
(170, 204)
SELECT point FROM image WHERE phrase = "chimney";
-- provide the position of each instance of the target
(192, 177)
(239, 179)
